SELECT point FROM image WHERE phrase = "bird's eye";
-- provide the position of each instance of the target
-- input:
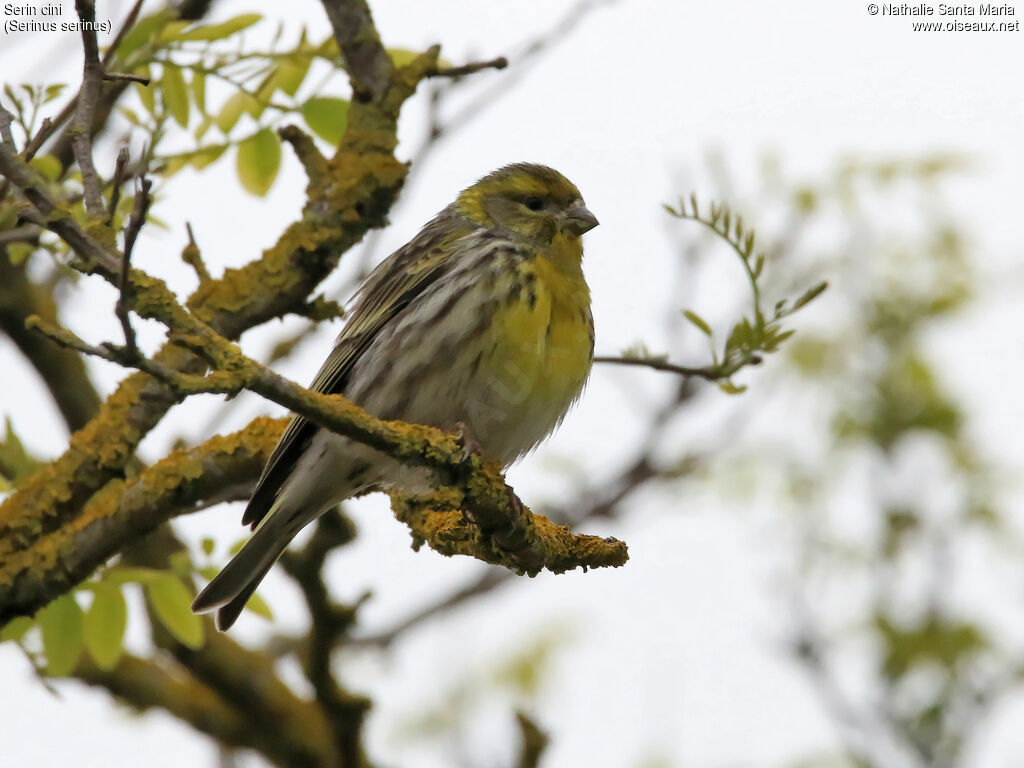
(533, 203)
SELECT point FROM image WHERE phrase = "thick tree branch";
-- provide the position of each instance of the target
(369, 66)
(126, 510)
(88, 95)
(474, 514)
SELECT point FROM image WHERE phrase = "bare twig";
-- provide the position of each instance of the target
(115, 182)
(534, 742)
(468, 69)
(88, 95)
(27, 233)
(126, 356)
(191, 255)
(708, 373)
(131, 78)
(486, 582)
(46, 129)
(138, 219)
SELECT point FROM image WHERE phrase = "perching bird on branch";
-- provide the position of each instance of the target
(480, 322)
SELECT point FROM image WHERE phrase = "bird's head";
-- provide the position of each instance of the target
(529, 201)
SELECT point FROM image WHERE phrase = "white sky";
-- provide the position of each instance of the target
(675, 654)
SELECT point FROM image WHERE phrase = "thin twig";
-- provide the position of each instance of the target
(192, 256)
(126, 76)
(116, 181)
(47, 128)
(121, 355)
(135, 224)
(468, 69)
(708, 373)
(27, 233)
(88, 95)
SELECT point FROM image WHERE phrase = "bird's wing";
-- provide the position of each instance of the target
(386, 292)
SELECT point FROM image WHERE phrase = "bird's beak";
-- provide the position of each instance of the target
(579, 219)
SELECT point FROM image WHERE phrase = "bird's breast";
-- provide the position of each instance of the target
(539, 359)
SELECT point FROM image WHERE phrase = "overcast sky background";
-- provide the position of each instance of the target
(676, 654)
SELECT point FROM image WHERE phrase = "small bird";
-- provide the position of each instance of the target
(481, 322)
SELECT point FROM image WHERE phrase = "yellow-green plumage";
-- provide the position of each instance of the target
(482, 320)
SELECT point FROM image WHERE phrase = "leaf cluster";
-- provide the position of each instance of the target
(759, 333)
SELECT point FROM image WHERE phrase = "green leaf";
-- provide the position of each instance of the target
(402, 57)
(61, 623)
(207, 545)
(16, 628)
(175, 94)
(15, 99)
(170, 30)
(13, 456)
(198, 86)
(208, 572)
(326, 117)
(215, 31)
(48, 165)
(18, 252)
(53, 91)
(292, 72)
(259, 606)
(258, 161)
(104, 625)
(810, 295)
(124, 575)
(698, 321)
(732, 389)
(172, 602)
(202, 158)
(232, 110)
(141, 33)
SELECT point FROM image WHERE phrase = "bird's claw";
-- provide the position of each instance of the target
(470, 446)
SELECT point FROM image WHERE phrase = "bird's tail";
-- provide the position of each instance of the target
(231, 589)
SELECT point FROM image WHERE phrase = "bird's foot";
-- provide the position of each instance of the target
(470, 446)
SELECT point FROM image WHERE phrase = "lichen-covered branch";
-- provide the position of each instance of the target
(475, 514)
(454, 522)
(126, 510)
(352, 193)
